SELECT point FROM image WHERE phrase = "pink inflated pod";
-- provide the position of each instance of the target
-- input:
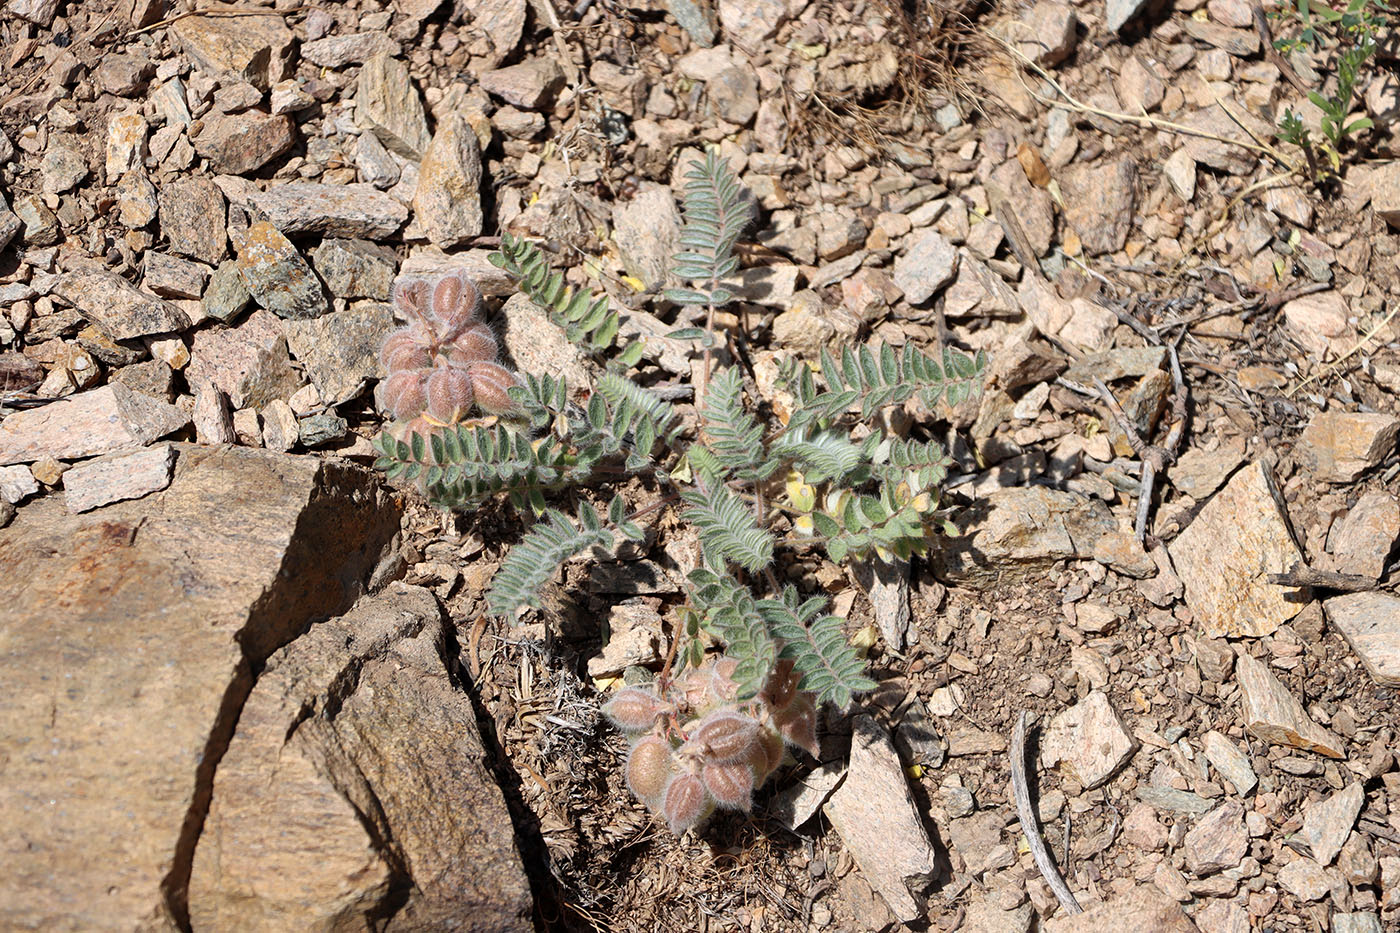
(730, 785)
(456, 304)
(634, 709)
(649, 767)
(492, 383)
(798, 724)
(766, 755)
(723, 687)
(406, 394)
(725, 737)
(782, 685)
(405, 354)
(474, 344)
(450, 394)
(684, 802)
(404, 340)
(412, 297)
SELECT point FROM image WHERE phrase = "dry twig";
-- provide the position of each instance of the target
(1155, 459)
(1300, 574)
(1025, 812)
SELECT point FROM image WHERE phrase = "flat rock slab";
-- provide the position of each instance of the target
(1370, 622)
(99, 421)
(116, 477)
(1225, 555)
(118, 308)
(880, 824)
(1218, 841)
(331, 210)
(1014, 534)
(1340, 445)
(1145, 909)
(360, 709)
(127, 647)
(1274, 714)
(1088, 741)
(1327, 823)
(340, 351)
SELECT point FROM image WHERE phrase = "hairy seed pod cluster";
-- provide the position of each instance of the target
(696, 748)
(444, 361)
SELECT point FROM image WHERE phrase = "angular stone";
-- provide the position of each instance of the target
(226, 296)
(1143, 909)
(374, 163)
(734, 94)
(1304, 879)
(173, 277)
(356, 268)
(1240, 43)
(750, 22)
(184, 593)
(1340, 445)
(116, 477)
(1225, 555)
(930, 264)
(248, 363)
(1362, 541)
(40, 225)
(447, 201)
(280, 430)
(1366, 921)
(255, 49)
(538, 345)
(530, 85)
(388, 104)
(119, 308)
(331, 210)
(192, 218)
(289, 97)
(63, 169)
(1232, 763)
(1016, 534)
(1319, 323)
(340, 351)
(1370, 622)
(880, 825)
(38, 12)
(1139, 90)
(350, 49)
(277, 276)
(126, 144)
(98, 421)
(315, 430)
(237, 144)
(213, 422)
(9, 223)
(1051, 33)
(1218, 841)
(1119, 12)
(1100, 200)
(17, 483)
(1088, 741)
(647, 229)
(697, 18)
(1273, 713)
(1327, 823)
(1221, 156)
(403, 736)
(502, 21)
(136, 200)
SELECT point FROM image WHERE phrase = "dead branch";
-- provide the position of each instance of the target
(1301, 574)
(1025, 812)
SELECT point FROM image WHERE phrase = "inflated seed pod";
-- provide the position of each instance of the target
(649, 766)
(725, 737)
(412, 296)
(782, 685)
(798, 724)
(723, 687)
(450, 394)
(456, 303)
(634, 709)
(684, 802)
(403, 339)
(406, 393)
(491, 381)
(474, 344)
(730, 785)
(767, 754)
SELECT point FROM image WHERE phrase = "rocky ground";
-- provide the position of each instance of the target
(250, 687)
